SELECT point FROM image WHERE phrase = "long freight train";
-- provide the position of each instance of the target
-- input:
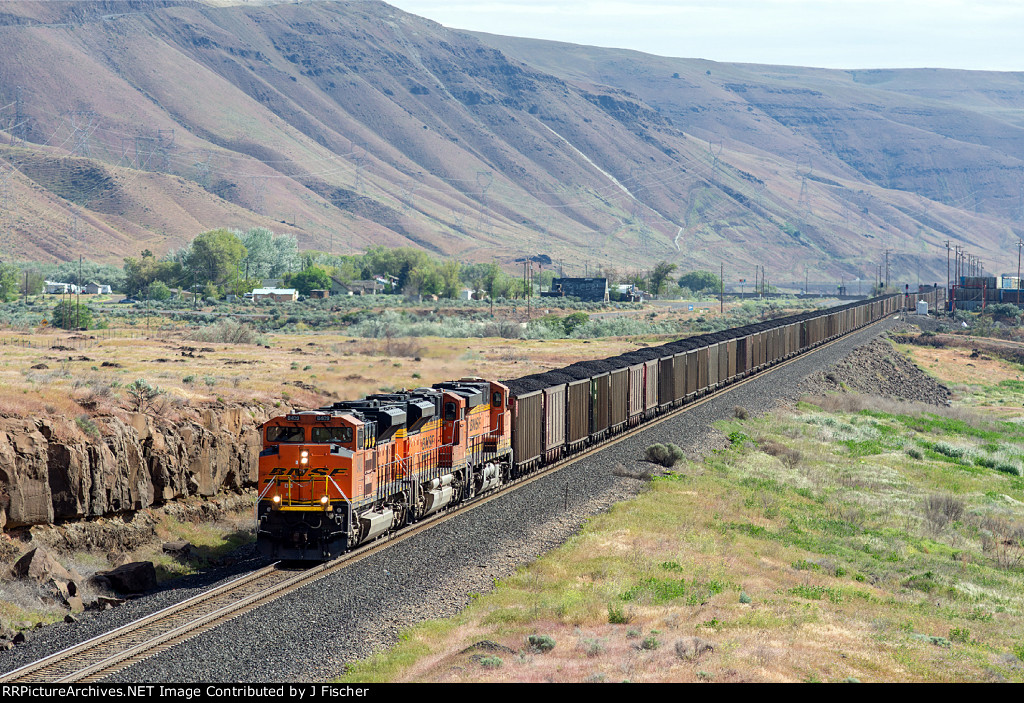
(345, 474)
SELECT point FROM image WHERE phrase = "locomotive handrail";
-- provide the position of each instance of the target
(348, 503)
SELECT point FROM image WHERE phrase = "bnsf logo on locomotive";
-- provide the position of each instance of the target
(299, 472)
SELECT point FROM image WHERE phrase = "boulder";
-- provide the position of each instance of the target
(40, 566)
(105, 603)
(76, 605)
(135, 577)
(179, 549)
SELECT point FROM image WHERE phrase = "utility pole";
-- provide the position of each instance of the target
(1019, 245)
(18, 128)
(887, 269)
(947, 264)
(721, 297)
(78, 298)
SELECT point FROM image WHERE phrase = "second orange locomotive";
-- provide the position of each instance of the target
(332, 478)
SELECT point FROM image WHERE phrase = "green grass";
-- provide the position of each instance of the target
(829, 530)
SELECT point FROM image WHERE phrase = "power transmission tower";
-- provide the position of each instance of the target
(360, 161)
(803, 203)
(644, 236)
(83, 124)
(126, 147)
(715, 153)
(19, 128)
(164, 145)
(201, 164)
(484, 180)
(143, 152)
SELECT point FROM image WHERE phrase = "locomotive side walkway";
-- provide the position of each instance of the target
(311, 634)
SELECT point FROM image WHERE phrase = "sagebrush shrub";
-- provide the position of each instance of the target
(667, 455)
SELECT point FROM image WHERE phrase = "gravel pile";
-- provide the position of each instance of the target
(878, 369)
(313, 633)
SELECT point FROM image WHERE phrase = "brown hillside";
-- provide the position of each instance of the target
(140, 124)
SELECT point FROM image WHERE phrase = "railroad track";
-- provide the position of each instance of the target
(106, 654)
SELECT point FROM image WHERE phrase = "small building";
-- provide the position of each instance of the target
(280, 295)
(586, 289)
(55, 288)
(466, 294)
(319, 293)
(368, 287)
(92, 288)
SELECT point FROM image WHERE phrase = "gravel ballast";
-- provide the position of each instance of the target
(312, 633)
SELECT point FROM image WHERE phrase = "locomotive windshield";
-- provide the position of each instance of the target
(332, 434)
(285, 434)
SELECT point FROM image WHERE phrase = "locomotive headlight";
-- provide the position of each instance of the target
(276, 499)
(324, 500)
(304, 454)
(303, 460)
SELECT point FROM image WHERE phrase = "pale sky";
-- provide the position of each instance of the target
(982, 34)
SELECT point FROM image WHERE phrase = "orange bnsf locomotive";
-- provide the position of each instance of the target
(336, 477)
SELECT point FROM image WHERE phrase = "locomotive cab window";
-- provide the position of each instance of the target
(285, 434)
(496, 399)
(332, 434)
(449, 411)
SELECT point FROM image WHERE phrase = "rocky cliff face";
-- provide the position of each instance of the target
(131, 466)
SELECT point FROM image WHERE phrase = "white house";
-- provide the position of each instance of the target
(54, 288)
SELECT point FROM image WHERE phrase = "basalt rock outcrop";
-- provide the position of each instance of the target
(134, 464)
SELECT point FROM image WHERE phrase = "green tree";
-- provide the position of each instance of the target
(450, 271)
(214, 257)
(423, 280)
(698, 281)
(158, 290)
(312, 278)
(662, 270)
(70, 315)
(269, 255)
(10, 277)
(139, 273)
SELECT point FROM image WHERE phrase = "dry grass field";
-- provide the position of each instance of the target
(62, 374)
